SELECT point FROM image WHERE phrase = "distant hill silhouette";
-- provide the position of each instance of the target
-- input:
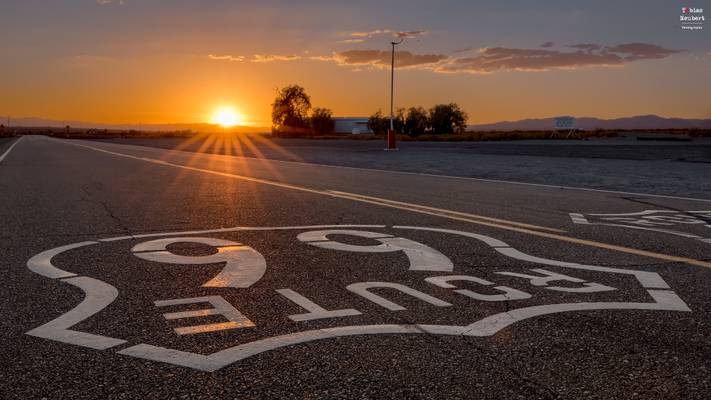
(197, 127)
(589, 123)
(539, 124)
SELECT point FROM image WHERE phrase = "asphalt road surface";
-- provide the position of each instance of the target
(620, 163)
(135, 272)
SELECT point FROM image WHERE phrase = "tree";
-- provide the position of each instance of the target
(290, 111)
(447, 118)
(398, 121)
(416, 122)
(322, 121)
(378, 123)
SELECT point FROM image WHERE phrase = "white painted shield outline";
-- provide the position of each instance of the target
(580, 219)
(98, 295)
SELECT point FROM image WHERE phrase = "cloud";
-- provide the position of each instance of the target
(494, 59)
(256, 58)
(381, 58)
(462, 50)
(486, 60)
(411, 34)
(263, 58)
(587, 46)
(226, 57)
(351, 41)
(641, 51)
(323, 58)
(362, 36)
(369, 34)
(547, 44)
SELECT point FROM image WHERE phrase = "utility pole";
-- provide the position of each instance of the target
(391, 131)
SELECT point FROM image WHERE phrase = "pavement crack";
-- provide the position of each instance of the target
(91, 198)
(539, 387)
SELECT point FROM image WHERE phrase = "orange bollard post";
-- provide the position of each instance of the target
(392, 144)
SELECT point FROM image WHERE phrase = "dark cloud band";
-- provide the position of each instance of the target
(490, 59)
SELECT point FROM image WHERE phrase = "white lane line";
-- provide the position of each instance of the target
(427, 174)
(473, 218)
(12, 146)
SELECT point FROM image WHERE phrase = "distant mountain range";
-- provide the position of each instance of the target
(586, 123)
(196, 127)
(589, 123)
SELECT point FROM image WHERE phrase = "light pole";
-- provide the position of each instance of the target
(391, 132)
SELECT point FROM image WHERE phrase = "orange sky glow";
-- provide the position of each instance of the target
(131, 62)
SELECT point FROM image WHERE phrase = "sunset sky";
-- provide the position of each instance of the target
(175, 61)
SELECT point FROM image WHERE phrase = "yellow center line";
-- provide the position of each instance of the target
(449, 214)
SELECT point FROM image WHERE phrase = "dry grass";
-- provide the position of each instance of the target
(75, 133)
(78, 133)
(6, 133)
(524, 135)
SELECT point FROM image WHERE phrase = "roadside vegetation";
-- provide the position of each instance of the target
(294, 117)
(6, 132)
(82, 133)
(290, 115)
(485, 136)
(441, 119)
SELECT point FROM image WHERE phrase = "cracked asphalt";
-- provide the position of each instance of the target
(476, 289)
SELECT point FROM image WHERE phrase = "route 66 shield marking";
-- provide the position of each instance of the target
(243, 267)
(664, 221)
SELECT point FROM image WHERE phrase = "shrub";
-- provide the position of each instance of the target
(322, 121)
(378, 123)
(416, 122)
(447, 118)
(290, 112)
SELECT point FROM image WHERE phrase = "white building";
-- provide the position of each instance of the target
(354, 125)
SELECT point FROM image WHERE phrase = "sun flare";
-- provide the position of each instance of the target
(226, 117)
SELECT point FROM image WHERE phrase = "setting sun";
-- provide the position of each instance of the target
(226, 117)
